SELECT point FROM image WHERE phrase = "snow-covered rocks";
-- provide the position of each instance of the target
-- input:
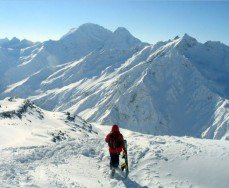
(24, 124)
(12, 108)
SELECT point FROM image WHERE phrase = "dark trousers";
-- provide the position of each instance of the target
(114, 160)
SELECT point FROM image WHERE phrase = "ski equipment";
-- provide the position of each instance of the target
(124, 166)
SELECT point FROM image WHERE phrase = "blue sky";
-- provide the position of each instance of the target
(150, 21)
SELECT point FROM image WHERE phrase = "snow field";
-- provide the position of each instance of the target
(39, 148)
(154, 161)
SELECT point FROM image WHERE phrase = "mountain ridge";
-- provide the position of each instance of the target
(119, 79)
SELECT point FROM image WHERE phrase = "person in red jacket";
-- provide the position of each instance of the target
(116, 146)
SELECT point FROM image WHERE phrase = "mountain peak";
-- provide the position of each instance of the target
(122, 39)
(14, 39)
(89, 26)
(188, 38)
(4, 40)
(176, 37)
(87, 30)
(15, 43)
(186, 42)
(86, 26)
(121, 30)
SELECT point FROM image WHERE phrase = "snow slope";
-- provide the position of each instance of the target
(83, 159)
(24, 124)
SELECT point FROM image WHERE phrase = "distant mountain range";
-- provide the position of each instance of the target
(178, 87)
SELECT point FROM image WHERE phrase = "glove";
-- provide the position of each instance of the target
(124, 155)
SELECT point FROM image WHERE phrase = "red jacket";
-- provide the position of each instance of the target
(119, 136)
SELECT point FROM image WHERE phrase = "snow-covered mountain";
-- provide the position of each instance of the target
(10, 53)
(53, 149)
(178, 87)
(15, 43)
(74, 45)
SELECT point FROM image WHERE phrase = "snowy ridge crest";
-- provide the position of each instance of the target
(29, 124)
(12, 107)
(112, 77)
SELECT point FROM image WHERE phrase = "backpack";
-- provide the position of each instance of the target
(115, 140)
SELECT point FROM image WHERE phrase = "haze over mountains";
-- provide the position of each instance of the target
(178, 87)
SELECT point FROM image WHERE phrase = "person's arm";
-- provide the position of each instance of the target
(107, 138)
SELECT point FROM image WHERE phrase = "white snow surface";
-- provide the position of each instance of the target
(24, 124)
(29, 157)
